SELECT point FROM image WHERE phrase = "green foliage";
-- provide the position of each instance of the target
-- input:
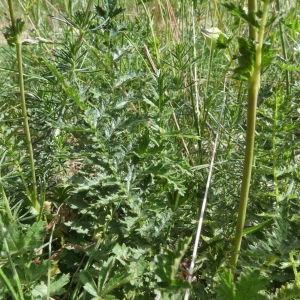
(247, 287)
(240, 12)
(119, 193)
(246, 59)
(10, 33)
(288, 291)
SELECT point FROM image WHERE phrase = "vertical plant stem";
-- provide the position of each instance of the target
(49, 262)
(294, 266)
(253, 88)
(14, 271)
(287, 75)
(274, 146)
(8, 285)
(33, 195)
(203, 207)
(5, 200)
(252, 8)
(196, 103)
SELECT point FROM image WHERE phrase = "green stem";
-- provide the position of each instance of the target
(274, 147)
(33, 195)
(14, 271)
(294, 266)
(252, 8)
(287, 75)
(8, 285)
(253, 88)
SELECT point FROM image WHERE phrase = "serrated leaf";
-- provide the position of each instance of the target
(35, 271)
(34, 236)
(56, 287)
(125, 78)
(100, 11)
(110, 5)
(13, 237)
(39, 291)
(105, 272)
(246, 59)
(288, 291)
(20, 243)
(121, 252)
(85, 276)
(268, 55)
(240, 12)
(71, 91)
(116, 12)
(288, 67)
(90, 289)
(119, 279)
(249, 284)
(225, 288)
(117, 30)
(109, 10)
(168, 263)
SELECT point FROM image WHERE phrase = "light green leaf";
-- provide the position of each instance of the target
(56, 287)
(225, 288)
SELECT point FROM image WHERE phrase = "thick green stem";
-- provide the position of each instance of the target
(253, 88)
(18, 35)
(294, 266)
(252, 8)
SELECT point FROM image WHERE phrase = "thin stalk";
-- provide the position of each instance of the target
(274, 147)
(14, 271)
(287, 74)
(8, 285)
(5, 200)
(152, 31)
(253, 88)
(90, 259)
(294, 266)
(6, 203)
(196, 103)
(203, 207)
(49, 262)
(211, 52)
(33, 194)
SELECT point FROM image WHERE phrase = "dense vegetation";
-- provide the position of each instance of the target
(110, 111)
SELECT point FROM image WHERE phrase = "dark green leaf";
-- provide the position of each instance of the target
(240, 12)
(246, 59)
(249, 284)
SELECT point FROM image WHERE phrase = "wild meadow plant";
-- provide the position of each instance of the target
(121, 125)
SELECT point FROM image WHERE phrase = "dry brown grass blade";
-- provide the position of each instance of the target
(173, 23)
